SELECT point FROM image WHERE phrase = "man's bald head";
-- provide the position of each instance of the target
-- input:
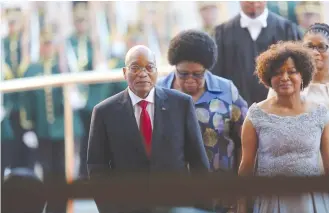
(139, 51)
(140, 71)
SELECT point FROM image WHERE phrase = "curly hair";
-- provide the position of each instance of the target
(272, 59)
(319, 28)
(195, 46)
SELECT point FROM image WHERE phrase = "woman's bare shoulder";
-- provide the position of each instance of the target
(265, 104)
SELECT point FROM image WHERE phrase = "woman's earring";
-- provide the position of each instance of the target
(302, 85)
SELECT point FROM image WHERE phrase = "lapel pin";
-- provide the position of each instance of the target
(163, 108)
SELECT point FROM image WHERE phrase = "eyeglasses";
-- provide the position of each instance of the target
(186, 75)
(137, 69)
(321, 48)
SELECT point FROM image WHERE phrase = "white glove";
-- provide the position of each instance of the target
(31, 140)
(76, 100)
(2, 112)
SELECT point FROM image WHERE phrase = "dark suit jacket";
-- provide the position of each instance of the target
(237, 52)
(115, 143)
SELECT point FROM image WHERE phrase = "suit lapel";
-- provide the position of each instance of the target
(160, 110)
(132, 133)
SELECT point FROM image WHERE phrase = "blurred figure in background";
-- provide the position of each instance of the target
(209, 12)
(286, 9)
(118, 46)
(135, 35)
(243, 38)
(116, 59)
(45, 113)
(14, 66)
(308, 13)
(316, 38)
(7, 133)
(12, 43)
(83, 53)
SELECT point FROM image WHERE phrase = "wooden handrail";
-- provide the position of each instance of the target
(59, 80)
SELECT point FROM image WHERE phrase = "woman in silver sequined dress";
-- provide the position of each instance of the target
(287, 133)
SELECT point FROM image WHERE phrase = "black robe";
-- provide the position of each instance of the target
(237, 52)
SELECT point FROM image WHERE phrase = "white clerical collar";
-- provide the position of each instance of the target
(135, 99)
(246, 21)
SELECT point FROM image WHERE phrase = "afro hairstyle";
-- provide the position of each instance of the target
(272, 59)
(195, 46)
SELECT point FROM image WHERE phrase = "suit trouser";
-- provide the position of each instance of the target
(51, 155)
(22, 156)
(86, 119)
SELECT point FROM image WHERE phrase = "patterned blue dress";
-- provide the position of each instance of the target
(221, 112)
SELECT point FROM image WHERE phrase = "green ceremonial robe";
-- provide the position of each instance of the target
(43, 109)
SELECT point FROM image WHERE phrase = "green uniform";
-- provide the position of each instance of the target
(43, 112)
(7, 138)
(13, 56)
(117, 63)
(15, 67)
(13, 59)
(7, 132)
(308, 13)
(43, 109)
(286, 9)
(94, 93)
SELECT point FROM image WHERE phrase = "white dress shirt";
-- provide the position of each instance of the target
(138, 110)
(254, 25)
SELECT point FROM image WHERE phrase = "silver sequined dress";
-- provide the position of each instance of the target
(290, 146)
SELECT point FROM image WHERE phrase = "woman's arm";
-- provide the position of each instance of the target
(249, 149)
(239, 109)
(325, 148)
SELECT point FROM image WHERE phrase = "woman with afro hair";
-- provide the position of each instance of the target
(219, 107)
(287, 133)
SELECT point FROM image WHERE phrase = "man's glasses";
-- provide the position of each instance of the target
(320, 48)
(186, 75)
(137, 69)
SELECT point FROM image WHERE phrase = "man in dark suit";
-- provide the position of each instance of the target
(241, 39)
(144, 128)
